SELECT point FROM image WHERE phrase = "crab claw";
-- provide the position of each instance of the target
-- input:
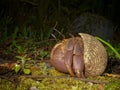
(57, 59)
(69, 56)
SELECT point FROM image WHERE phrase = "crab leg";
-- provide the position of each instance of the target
(78, 66)
(69, 56)
(78, 62)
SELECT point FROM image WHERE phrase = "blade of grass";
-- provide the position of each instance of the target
(110, 46)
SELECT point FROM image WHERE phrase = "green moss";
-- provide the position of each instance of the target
(62, 81)
(6, 85)
(53, 72)
(51, 79)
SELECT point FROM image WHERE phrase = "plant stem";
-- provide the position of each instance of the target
(110, 46)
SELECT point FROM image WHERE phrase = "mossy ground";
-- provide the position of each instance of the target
(44, 77)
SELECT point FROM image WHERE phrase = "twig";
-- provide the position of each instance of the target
(54, 28)
(65, 77)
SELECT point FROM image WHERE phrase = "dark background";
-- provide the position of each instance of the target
(41, 15)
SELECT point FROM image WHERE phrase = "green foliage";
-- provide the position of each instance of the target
(17, 68)
(43, 54)
(21, 64)
(16, 48)
(43, 69)
(27, 71)
(39, 53)
(110, 46)
(117, 47)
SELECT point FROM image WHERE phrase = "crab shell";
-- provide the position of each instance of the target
(81, 56)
